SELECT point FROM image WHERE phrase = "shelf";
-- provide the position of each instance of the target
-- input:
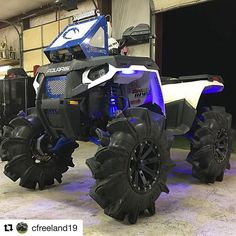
(8, 62)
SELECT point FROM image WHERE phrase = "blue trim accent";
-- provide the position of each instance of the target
(60, 143)
(212, 89)
(95, 141)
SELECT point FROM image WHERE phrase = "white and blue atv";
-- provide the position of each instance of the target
(122, 104)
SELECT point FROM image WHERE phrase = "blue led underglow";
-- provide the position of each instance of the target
(113, 106)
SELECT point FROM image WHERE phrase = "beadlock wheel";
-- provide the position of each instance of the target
(144, 166)
(211, 145)
(34, 166)
(131, 167)
(221, 145)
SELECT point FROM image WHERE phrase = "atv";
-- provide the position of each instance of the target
(132, 113)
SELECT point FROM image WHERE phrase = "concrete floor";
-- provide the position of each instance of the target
(191, 208)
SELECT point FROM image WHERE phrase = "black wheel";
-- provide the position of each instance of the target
(131, 170)
(7, 129)
(31, 156)
(211, 145)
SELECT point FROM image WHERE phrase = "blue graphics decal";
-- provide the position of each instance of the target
(67, 34)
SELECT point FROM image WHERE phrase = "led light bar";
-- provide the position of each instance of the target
(86, 15)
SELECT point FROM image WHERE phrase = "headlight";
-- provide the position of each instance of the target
(98, 72)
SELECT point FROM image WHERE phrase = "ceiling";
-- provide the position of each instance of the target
(163, 5)
(11, 8)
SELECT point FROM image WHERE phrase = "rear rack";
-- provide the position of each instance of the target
(201, 77)
(191, 78)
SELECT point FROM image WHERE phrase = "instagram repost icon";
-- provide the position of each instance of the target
(22, 227)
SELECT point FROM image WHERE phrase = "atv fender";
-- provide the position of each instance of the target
(190, 91)
(181, 101)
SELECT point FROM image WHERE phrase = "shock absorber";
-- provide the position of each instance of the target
(113, 101)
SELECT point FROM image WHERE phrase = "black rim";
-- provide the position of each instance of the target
(221, 146)
(144, 166)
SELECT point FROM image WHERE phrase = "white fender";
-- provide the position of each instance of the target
(190, 91)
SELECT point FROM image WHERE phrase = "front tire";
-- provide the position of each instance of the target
(131, 170)
(6, 132)
(34, 168)
(211, 145)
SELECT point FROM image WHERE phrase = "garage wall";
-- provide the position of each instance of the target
(42, 36)
(44, 19)
(11, 35)
(164, 5)
(126, 13)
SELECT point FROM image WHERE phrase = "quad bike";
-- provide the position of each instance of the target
(16, 95)
(121, 101)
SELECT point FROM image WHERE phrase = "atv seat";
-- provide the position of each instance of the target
(182, 79)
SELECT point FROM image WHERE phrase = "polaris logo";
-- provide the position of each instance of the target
(58, 69)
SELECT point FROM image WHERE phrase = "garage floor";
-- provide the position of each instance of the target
(191, 208)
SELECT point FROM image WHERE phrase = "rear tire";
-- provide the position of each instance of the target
(211, 145)
(28, 165)
(131, 170)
